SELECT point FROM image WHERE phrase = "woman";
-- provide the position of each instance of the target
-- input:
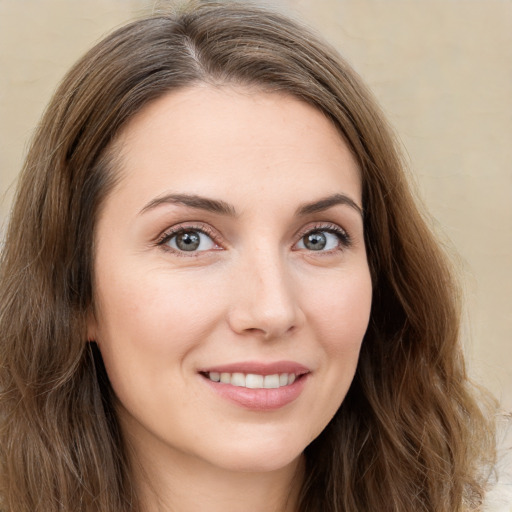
(217, 291)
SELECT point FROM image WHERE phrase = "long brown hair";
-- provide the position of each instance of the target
(409, 436)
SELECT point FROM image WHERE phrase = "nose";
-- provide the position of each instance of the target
(265, 302)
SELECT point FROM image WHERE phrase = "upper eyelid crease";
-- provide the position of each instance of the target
(205, 229)
(323, 226)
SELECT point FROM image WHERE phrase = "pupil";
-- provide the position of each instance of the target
(315, 241)
(188, 241)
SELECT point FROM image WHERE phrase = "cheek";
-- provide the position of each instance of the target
(147, 325)
(339, 315)
(340, 311)
(155, 306)
(146, 329)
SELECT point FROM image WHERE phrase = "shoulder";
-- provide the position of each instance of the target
(499, 495)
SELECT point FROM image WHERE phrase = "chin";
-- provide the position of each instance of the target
(264, 457)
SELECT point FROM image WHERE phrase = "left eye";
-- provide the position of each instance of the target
(190, 240)
(319, 241)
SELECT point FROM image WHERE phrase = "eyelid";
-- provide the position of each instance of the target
(166, 235)
(343, 235)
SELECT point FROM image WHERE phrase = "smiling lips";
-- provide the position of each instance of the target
(259, 387)
(252, 380)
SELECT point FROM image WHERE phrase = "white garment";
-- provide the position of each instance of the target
(499, 496)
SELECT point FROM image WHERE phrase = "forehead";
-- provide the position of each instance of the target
(232, 139)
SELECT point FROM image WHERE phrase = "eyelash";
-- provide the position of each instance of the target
(201, 228)
(343, 237)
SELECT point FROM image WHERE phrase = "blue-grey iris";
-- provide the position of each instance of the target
(188, 240)
(315, 241)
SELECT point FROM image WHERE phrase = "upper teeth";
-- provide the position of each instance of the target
(252, 380)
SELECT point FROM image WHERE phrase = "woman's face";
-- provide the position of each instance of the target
(232, 248)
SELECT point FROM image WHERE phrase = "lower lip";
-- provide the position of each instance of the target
(259, 399)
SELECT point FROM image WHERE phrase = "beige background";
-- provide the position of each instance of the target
(442, 69)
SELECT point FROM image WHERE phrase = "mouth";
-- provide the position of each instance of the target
(258, 387)
(253, 380)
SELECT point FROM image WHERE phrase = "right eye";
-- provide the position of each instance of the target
(188, 240)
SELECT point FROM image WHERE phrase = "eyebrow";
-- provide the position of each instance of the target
(328, 202)
(223, 208)
(193, 201)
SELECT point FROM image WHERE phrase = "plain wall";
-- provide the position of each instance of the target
(442, 70)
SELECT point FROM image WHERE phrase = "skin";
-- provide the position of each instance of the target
(252, 291)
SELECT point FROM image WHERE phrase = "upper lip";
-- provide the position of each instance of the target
(258, 368)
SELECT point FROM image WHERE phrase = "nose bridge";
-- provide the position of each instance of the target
(266, 301)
